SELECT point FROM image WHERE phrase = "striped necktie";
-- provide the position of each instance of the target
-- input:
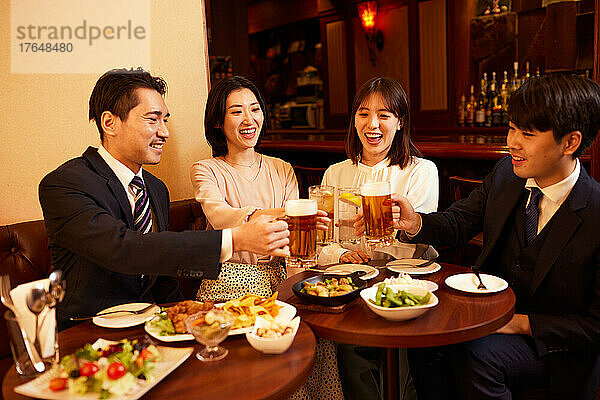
(532, 213)
(141, 213)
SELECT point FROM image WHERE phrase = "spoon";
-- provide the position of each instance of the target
(56, 289)
(36, 301)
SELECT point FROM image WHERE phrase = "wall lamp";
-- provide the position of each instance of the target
(367, 13)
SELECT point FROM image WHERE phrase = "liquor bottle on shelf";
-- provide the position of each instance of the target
(515, 82)
(537, 72)
(470, 114)
(482, 103)
(525, 75)
(461, 110)
(504, 95)
(491, 97)
(495, 103)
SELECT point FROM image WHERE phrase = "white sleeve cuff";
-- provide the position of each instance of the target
(226, 245)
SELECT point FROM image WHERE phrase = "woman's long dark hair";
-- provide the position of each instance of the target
(394, 97)
(214, 116)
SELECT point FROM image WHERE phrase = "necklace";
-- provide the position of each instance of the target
(243, 165)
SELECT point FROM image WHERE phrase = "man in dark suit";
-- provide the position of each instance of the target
(539, 211)
(107, 218)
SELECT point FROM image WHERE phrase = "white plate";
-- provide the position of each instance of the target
(407, 265)
(468, 283)
(125, 320)
(286, 313)
(170, 358)
(350, 268)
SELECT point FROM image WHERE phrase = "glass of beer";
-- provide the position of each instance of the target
(324, 195)
(377, 212)
(301, 216)
(349, 203)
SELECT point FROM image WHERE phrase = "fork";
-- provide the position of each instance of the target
(481, 286)
(134, 312)
(34, 356)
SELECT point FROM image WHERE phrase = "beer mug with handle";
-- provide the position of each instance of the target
(301, 216)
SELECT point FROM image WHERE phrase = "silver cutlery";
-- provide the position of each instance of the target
(134, 312)
(481, 286)
(421, 265)
(36, 302)
(34, 356)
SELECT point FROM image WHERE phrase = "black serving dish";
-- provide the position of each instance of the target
(330, 301)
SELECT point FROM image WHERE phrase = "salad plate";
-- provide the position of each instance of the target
(125, 320)
(347, 269)
(286, 313)
(170, 359)
(410, 266)
(468, 283)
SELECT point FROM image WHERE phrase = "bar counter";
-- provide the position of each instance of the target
(460, 143)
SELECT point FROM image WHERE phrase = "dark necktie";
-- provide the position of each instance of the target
(142, 216)
(532, 213)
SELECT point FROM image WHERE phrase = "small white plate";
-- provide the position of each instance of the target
(347, 269)
(468, 283)
(407, 265)
(125, 320)
(170, 359)
(286, 313)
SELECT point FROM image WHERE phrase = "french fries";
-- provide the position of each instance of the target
(246, 308)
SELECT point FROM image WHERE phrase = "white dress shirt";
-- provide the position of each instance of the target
(553, 195)
(125, 176)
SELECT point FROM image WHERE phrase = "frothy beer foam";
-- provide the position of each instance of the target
(375, 189)
(298, 208)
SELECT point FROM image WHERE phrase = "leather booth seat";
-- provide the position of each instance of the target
(25, 257)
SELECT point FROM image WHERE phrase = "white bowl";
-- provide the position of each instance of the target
(399, 313)
(276, 345)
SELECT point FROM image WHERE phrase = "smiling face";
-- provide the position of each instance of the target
(140, 138)
(376, 127)
(243, 120)
(536, 154)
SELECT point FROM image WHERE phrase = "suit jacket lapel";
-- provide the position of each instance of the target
(504, 203)
(564, 224)
(91, 154)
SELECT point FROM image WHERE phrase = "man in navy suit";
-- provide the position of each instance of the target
(539, 211)
(107, 218)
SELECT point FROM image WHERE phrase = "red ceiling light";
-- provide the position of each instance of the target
(367, 13)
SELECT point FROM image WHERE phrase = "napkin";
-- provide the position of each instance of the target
(26, 319)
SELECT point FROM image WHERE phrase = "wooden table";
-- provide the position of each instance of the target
(459, 317)
(244, 374)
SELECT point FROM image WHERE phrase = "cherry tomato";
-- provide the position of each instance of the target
(58, 384)
(116, 370)
(146, 354)
(88, 369)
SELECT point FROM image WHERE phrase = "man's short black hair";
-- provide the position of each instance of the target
(115, 92)
(558, 102)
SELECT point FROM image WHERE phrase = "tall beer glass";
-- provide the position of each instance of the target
(377, 212)
(349, 202)
(324, 195)
(301, 216)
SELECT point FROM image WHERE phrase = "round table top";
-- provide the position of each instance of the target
(244, 374)
(459, 317)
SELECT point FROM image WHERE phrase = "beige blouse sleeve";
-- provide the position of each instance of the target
(219, 213)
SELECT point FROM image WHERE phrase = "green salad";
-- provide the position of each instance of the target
(387, 297)
(110, 371)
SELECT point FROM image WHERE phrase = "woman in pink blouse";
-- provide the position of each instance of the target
(238, 184)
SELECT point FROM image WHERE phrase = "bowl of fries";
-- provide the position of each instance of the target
(273, 337)
(398, 302)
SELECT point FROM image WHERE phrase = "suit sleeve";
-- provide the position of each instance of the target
(80, 224)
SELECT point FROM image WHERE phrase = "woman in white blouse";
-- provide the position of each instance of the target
(379, 149)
